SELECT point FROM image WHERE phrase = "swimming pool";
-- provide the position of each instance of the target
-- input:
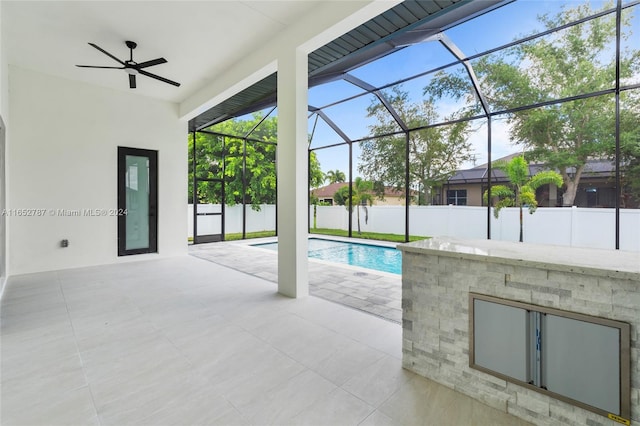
(386, 259)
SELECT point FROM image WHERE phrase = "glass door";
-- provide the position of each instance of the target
(137, 201)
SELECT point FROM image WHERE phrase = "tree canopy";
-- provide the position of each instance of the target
(335, 176)
(434, 153)
(574, 61)
(630, 147)
(316, 175)
(256, 185)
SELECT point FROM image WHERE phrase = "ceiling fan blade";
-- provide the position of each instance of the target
(152, 63)
(132, 81)
(106, 53)
(97, 66)
(157, 77)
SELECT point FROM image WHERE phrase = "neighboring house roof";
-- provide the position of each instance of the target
(390, 191)
(329, 190)
(598, 168)
(594, 168)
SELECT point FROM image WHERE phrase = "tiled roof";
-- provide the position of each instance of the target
(594, 168)
(329, 190)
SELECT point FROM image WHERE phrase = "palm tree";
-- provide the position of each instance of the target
(335, 176)
(522, 190)
(361, 195)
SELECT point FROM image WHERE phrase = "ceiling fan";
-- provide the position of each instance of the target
(131, 67)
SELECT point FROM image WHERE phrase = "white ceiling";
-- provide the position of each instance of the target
(199, 39)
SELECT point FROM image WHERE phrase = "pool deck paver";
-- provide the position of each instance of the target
(378, 293)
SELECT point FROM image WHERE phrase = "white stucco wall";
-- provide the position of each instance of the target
(3, 202)
(4, 75)
(63, 155)
(4, 106)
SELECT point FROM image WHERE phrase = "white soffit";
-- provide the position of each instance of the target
(199, 39)
(325, 21)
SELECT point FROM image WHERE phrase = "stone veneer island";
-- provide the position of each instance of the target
(437, 276)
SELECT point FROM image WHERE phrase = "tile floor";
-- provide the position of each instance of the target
(184, 341)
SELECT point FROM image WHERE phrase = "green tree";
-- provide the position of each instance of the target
(335, 176)
(316, 176)
(630, 148)
(361, 195)
(252, 179)
(341, 197)
(522, 189)
(630, 153)
(434, 153)
(209, 165)
(574, 61)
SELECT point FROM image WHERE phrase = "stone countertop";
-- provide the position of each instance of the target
(608, 263)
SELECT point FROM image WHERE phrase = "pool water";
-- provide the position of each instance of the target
(380, 258)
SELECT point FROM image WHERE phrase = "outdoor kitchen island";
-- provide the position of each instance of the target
(546, 333)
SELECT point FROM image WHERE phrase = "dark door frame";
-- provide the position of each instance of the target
(207, 238)
(122, 200)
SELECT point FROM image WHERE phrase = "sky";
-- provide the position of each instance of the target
(478, 35)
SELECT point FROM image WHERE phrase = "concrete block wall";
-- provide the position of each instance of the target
(435, 292)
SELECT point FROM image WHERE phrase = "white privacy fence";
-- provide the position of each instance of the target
(263, 220)
(576, 227)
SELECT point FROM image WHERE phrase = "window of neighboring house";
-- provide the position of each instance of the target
(457, 197)
(592, 196)
(600, 197)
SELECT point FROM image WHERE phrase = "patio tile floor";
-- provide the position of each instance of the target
(184, 341)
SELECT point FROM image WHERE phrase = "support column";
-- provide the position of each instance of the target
(292, 166)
